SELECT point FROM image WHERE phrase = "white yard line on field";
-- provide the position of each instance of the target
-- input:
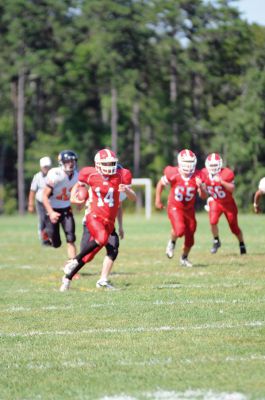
(251, 324)
(187, 395)
(251, 357)
(207, 286)
(207, 301)
(194, 395)
(193, 360)
(118, 397)
(24, 309)
(18, 309)
(153, 362)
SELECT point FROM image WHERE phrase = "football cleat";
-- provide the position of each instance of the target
(170, 249)
(65, 284)
(104, 284)
(184, 262)
(242, 248)
(70, 266)
(46, 243)
(216, 245)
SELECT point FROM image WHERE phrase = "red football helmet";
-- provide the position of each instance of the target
(187, 161)
(106, 162)
(214, 163)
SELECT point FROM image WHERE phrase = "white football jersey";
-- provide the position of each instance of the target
(61, 185)
(262, 185)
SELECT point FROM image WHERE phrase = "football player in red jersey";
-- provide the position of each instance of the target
(106, 182)
(185, 182)
(219, 184)
(112, 246)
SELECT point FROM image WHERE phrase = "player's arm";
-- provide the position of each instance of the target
(31, 201)
(120, 222)
(53, 215)
(256, 203)
(159, 189)
(74, 194)
(130, 193)
(229, 186)
(125, 186)
(202, 190)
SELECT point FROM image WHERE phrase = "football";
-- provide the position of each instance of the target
(82, 193)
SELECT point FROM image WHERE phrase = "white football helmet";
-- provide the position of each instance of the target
(214, 163)
(106, 162)
(262, 185)
(187, 161)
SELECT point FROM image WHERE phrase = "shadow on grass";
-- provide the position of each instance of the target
(198, 266)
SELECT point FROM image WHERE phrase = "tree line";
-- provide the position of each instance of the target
(146, 78)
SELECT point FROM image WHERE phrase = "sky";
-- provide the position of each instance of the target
(252, 10)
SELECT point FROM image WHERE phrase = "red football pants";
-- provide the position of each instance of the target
(100, 231)
(184, 224)
(229, 210)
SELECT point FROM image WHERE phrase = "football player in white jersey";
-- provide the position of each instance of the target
(38, 183)
(56, 200)
(259, 193)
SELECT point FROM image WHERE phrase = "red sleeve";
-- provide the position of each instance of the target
(84, 174)
(227, 175)
(126, 176)
(198, 173)
(203, 174)
(170, 173)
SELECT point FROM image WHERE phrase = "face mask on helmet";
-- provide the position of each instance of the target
(67, 160)
(106, 162)
(214, 163)
(187, 161)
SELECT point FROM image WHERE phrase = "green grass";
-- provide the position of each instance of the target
(168, 333)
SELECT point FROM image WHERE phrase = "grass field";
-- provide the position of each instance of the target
(168, 333)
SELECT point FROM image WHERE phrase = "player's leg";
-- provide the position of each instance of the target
(112, 248)
(215, 211)
(100, 234)
(73, 266)
(171, 245)
(53, 232)
(232, 219)
(85, 237)
(68, 225)
(177, 229)
(207, 205)
(42, 231)
(190, 228)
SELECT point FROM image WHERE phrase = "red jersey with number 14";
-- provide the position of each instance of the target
(183, 190)
(215, 189)
(105, 195)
